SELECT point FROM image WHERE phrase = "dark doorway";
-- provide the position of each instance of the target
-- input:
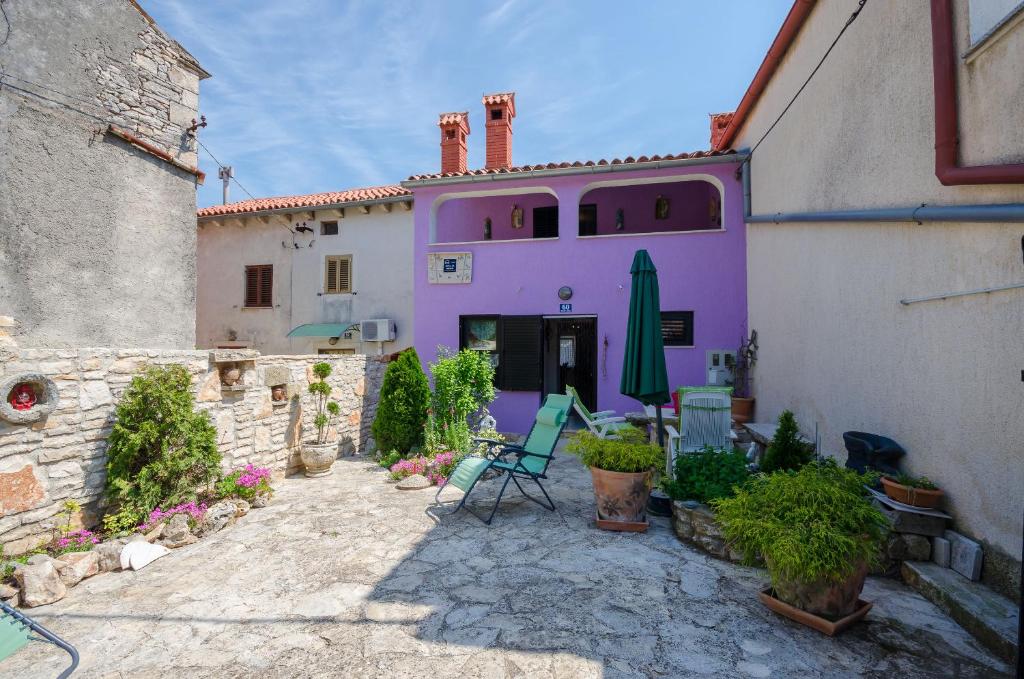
(570, 357)
(545, 222)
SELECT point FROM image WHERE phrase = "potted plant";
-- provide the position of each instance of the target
(818, 535)
(621, 470)
(916, 491)
(742, 401)
(318, 455)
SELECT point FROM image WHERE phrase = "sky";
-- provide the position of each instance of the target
(324, 95)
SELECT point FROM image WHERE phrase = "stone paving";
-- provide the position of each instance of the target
(348, 577)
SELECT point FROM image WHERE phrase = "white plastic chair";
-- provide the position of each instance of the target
(705, 419)
(603, 424)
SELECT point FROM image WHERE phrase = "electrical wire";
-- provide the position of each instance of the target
(849, 22)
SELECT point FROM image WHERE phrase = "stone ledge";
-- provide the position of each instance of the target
(991, 618)
(695, 524)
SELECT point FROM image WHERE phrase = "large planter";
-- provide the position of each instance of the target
(908, 495)
(742, 409)
(317, 458)
(621, 499)
(830, 600)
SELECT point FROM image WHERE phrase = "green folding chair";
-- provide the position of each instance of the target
(527, 462)
(16, 630)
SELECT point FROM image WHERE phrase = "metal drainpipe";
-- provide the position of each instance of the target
(1005, 212)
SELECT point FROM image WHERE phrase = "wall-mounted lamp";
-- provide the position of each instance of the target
(565, 293)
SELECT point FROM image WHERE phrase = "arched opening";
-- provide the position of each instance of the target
(502, 215)
(646, 206)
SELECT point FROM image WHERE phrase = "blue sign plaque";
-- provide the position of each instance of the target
(565, 308)
(450, 265)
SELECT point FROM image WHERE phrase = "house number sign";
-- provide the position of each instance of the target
(565, 308)
(450, 267)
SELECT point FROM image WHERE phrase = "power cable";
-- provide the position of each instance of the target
(849, 22)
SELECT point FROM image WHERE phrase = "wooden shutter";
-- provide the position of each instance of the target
(521, 353)
(259, 285)
(677, 328)
(545, 222)
(338, 274)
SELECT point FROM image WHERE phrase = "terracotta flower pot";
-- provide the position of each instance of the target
(621, 496)
(318, 458)
(908, 495)
(829, 600)
(742, 409)
(278, 393)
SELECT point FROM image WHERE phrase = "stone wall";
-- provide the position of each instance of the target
(695, 524)
(63, 456)
(97, 237)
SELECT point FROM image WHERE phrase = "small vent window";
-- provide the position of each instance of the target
(677, 328)
(328, 228)
(259, 285)
(338, 274)
(495, 114)
(449, 134)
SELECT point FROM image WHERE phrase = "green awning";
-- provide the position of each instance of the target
(320, 330)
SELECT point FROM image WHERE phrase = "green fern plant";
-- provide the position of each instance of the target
(810, 525)
(707, 475)
(161, 451)
(631, 453)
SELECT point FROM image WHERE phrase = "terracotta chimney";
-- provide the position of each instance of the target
(499, 110)
(454, 128)
(719, 121)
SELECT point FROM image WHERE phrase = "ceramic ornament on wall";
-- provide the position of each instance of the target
(661, 207)
(620, 219)
(715, 211)
(487, 229)
(517, 217)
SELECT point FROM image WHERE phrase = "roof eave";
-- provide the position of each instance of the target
(723, 157)
(303, 208)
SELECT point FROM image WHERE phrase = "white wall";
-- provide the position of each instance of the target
(381, 247)
(943, 377)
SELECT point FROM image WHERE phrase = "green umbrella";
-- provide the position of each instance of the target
(643, 366)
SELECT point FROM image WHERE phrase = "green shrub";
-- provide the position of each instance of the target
(402, 409)
(809, 525)
(388, 459)
(161, 451)
(463, 385)
(707, 475)
(631, 453)
(786, 451)
(922, 482)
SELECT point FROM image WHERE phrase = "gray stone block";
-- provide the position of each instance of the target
(940, 551)
(912, 522)
(965, 555)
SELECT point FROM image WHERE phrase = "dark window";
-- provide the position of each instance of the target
(495, 114)
(328, 228)
(515, 344)
(449, 134)
(588, 219)
(259, 284)
(677, 328)
(545, 222)
(522, 346)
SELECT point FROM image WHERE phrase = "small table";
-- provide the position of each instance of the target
(648, 422)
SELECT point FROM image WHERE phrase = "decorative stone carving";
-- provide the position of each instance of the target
(27, 398)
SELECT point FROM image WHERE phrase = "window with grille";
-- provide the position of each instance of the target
(328, 228)
(677, 328)
(338, 274)
(259, 285)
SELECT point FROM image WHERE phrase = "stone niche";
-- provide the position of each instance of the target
(27, 398)
(236, 368)
(276, 378)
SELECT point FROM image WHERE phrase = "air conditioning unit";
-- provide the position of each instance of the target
(377, 330)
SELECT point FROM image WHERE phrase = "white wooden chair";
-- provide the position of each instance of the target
(705, 419)
(603, 424)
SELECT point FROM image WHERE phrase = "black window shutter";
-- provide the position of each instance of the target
(521, 347)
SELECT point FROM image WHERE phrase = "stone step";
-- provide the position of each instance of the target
(991, 618)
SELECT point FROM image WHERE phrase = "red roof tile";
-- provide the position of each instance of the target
(455, 117)
(500, 98)
(313, 200)
(629, 160)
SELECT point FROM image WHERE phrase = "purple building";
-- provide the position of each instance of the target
(532, 263)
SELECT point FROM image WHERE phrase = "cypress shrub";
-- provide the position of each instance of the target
(161, 451)
(786, 451)
(402, 409)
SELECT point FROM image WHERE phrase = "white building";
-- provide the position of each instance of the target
(300, 274)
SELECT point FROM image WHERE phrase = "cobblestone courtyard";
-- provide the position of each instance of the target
(349, 577)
